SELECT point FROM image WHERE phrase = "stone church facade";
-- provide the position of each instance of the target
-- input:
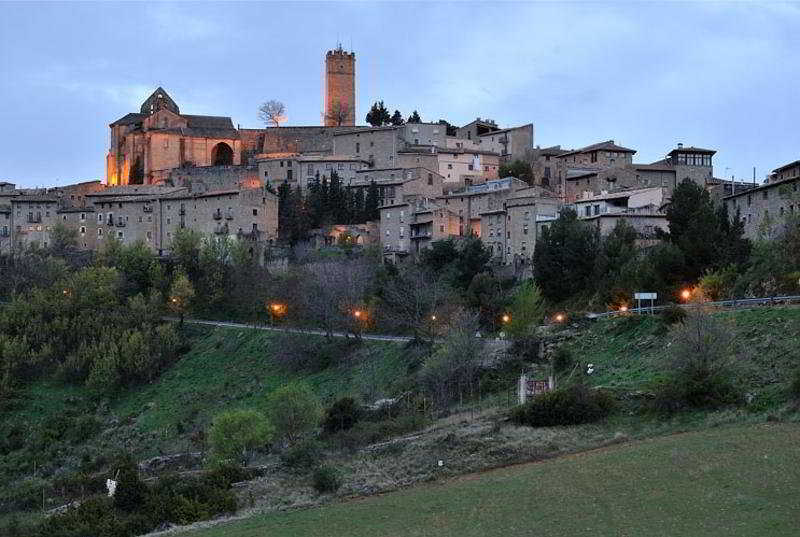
(147, 146)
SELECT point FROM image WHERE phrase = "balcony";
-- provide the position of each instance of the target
(147, 209)
(120, 223)
(34, 218)
(217, 215)
(4, 233)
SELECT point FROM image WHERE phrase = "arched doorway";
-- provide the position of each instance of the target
(222, 155)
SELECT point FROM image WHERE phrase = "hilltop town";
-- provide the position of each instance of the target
(168, 171)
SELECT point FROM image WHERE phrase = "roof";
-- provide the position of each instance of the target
(553, 150)
(135, 190)
(765, 186)
(776, 170)
(617, 195)
(625, 215)
(508, 129)
(209, 194)
(608, 145)
(208, 122)
(129, 119)
(359, 130)
(659, 166)
(312, 158)
(34, 199)
(692, 149)
(579, 174)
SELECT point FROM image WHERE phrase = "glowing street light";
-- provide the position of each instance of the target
(623, 308)
(506, 318)
(357, 314)
(559, 318)
(433, 317)
(686, 294)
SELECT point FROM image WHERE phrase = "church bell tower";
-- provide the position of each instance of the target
(340, 88)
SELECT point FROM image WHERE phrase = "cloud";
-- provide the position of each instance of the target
(175, 23)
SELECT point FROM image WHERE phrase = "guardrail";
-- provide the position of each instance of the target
(733, 303)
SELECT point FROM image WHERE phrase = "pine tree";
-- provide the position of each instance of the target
(397, 118)
(414, 117)
(359, 206)
(372, 202)
(378, 115)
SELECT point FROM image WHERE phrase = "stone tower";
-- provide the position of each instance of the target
(340, 88)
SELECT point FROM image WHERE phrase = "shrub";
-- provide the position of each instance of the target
(562, 360)
(131, 492)
(673, 314)
(295, 411)
(326, 479)
(794, 387)
(303, 456)
(368, 432)
(566, 406)
(235, 434)
(342, 415)
(702, 370)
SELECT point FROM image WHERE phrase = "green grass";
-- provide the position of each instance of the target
(741, 481)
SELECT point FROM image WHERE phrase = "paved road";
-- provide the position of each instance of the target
(373, 337)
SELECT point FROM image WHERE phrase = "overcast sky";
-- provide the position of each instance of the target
(725, 76)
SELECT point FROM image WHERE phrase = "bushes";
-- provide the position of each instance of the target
(342, 415)
(673, 314)
(294, 410)
(566, 406)
(326, 479)
(303, 456)
(794, 387)
(702, 370)
(300, 353)
(235, 434)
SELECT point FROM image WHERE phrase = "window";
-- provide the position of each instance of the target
(547, 158)
(596, 209)
(169, 221)
(449, 166)
(149, 235)
(358, 147)
(281, 164)
(288, 163)
(594, 156)
(83, 217)
(441, 229)
(255, 212)
(587, 210)
(310, 169)
(470, 167)
(341, 165)
(430, 178)
(371, 144)
(765, 194)
(99, 231)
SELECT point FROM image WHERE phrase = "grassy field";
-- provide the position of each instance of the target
(740, 481)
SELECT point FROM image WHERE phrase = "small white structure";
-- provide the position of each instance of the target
(111, 485)
(529, 387)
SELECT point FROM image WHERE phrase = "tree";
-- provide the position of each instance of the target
(235, 434)
(415, 299)
(338, 114)
(519, 169)
(372, 202)
(294, 410)
(414, 117)
(397, 118)
(63, 239)
(272, 113)
(180, 294)
(564, 258)
(451, 130)
(378, 115)
(707, 237)
(615, 250)
(527, 309)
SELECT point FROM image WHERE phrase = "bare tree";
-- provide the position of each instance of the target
(419, 301)
(272, 113)
(335, 293)
(338, 114)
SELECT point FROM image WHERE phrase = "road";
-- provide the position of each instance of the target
(371, 337)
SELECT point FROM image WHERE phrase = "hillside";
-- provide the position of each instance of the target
(736, 481)
(63, 431)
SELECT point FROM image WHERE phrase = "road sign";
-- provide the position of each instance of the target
(645, 296)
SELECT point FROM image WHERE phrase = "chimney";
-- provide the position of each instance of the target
(680, 145)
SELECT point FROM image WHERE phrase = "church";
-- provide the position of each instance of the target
(147, 145)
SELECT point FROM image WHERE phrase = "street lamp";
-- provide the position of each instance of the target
(686, 294)
(559, 318)
(506, 318)
(623, 308)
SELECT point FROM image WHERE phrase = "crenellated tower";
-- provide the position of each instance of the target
(340, 88)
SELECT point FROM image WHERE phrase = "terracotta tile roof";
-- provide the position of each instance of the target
(608, 145)
(692, 149)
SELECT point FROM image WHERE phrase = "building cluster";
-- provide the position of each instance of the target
(167, 171)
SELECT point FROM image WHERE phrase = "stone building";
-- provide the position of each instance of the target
(340, 88)
(766, 208)
(642, 208)
(32, 218)
(410, 227)
(510, 143)
(146, 146)
(399, 185)
(154, 214)
(300, 170)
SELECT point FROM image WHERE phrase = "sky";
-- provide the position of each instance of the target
(721, 75)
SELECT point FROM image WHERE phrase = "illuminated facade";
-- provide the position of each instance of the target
(147, 145)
